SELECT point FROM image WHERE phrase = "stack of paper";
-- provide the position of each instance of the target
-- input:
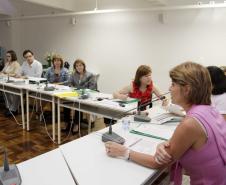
(166, 117)
(146, 146)
(159, 116)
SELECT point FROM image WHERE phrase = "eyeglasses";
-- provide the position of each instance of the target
(28, 56)
(8, 56)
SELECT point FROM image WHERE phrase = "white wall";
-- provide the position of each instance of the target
(114, 45)
(5, 35)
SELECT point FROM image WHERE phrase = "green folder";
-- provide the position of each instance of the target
(147, 135)
(131, 100)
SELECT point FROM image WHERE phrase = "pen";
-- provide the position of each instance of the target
(135, 142)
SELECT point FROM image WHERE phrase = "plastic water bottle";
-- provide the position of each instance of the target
(38, 85)
(125, 125)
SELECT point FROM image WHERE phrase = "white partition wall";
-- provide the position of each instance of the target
(115, 44)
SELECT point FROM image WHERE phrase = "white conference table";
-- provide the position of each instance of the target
(17, 86)
(15, 89)
(38, 92)
(20, 87)
(89, 163)
(84, 162)
(46, 169)
(106, 108)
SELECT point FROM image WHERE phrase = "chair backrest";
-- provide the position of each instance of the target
(2, 64)
(44, 70)
(66, 65)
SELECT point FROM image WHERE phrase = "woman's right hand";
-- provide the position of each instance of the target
(161, 155)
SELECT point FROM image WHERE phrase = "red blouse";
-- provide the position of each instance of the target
(143, 96)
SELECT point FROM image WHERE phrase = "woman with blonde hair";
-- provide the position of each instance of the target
(57, 74)
(199, 142)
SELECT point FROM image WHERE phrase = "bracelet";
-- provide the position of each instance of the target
(127, 154)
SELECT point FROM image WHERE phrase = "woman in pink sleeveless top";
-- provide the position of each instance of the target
(199, 143)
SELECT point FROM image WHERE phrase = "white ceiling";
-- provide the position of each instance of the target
(40, 7)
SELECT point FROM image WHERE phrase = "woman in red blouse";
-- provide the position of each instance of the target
(141, 88)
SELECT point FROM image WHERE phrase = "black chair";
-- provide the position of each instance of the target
(66, 65)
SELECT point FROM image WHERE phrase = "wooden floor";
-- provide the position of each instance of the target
(22, 145)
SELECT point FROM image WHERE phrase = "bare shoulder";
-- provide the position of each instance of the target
(191, 126)
(126, 89)
(184, 137)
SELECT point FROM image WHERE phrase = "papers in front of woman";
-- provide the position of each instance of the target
(159, 132)
(171, 113)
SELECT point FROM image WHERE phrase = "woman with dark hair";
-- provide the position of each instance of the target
(198, 144)
(141, 88)
(218, 97)
(80, 79)
(57, 74)
(12, 67)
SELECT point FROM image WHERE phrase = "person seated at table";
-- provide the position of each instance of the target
(11, 69)
(80, 79)
(31, 67)
(142, 88)
(57, 74)
(218, 97)
(199, 142)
